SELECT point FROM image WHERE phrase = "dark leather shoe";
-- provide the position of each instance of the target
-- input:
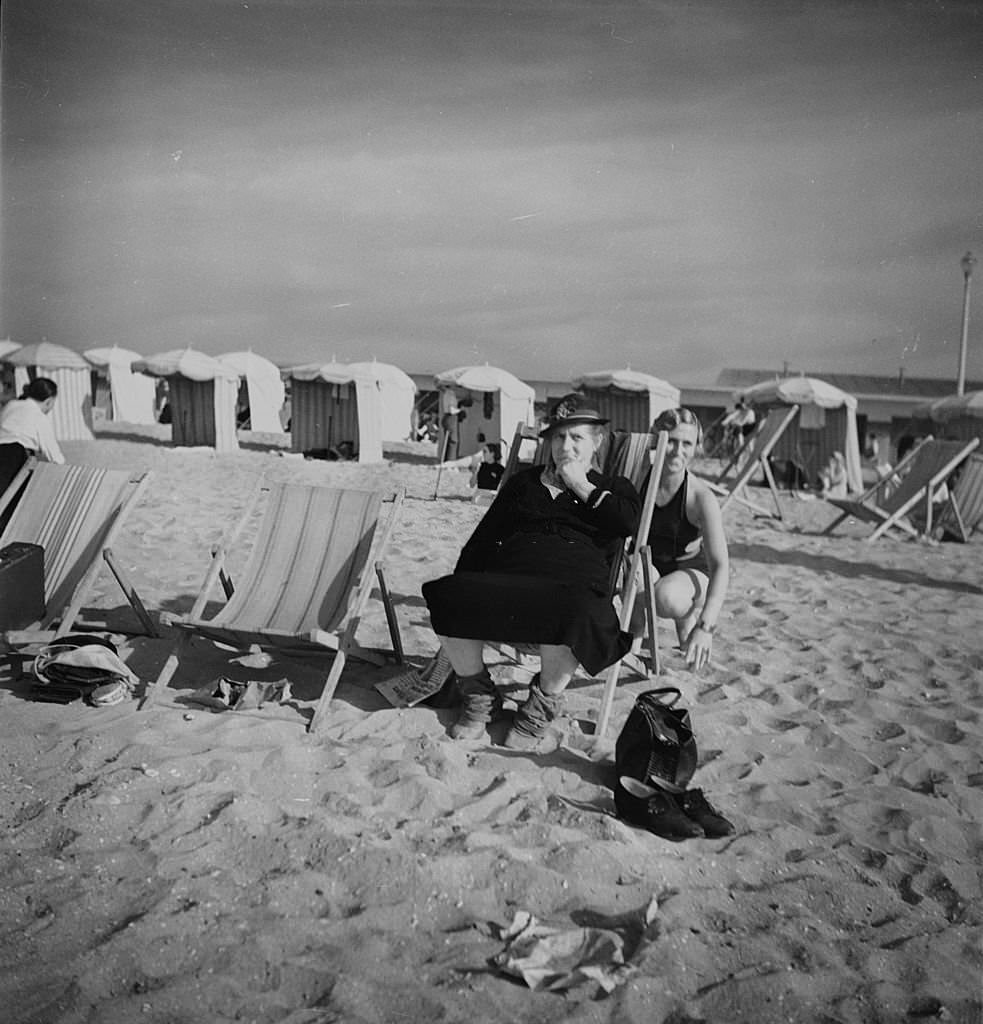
(654, 810)
(696, 806)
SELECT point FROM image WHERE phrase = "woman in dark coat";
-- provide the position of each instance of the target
(537, 569)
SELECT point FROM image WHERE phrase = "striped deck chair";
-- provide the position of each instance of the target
(639, 563)
(306, 585)
(74, 513)
(895, 505)
(753, 456)
(963, 512)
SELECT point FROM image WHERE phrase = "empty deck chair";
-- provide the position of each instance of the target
(306, 585)
(75, 514)
(752, 456)
(893, 503)
(963, 512)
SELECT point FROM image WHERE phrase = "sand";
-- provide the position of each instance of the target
(178, 865)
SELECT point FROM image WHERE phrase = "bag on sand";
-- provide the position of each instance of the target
(656, 744)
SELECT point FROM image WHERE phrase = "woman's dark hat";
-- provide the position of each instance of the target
(571, 409)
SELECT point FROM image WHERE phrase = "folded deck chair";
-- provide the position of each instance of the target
(306, 585)
(74, 513)
(753, 455)
(515, 462)
(893, 502)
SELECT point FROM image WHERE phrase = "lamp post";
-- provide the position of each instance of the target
(967, 263)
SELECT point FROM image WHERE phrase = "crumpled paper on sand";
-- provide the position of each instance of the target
(556, 959)
(225, 694)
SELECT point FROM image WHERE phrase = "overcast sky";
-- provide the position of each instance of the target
(551, 187)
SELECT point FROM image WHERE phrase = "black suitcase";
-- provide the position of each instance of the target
(21, 585)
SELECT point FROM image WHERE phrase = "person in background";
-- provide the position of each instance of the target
(25, 429)
(450, 423)
(489, 470)
(832, 477)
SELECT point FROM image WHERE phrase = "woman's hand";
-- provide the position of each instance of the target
(699, 646)
(573, 475)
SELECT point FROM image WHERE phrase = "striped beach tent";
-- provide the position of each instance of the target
(333, 404)
(71, 416)
(631, 400)
(202, 393)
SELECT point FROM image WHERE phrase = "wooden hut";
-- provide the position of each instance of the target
(629, 399)
(494, 403)
(71, 416)
(827, 423)
(202, 394)
(261, 390)
(334, 406)
(131, 396)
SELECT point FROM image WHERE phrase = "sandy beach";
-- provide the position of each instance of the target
(178, 865)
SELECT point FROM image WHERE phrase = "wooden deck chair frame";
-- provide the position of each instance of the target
(753, 455)
(296, 579)
(640, 564)
(928, 466)
(523, 432)
(75, 513)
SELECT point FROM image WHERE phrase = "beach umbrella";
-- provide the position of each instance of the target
(6, 347)
(814, 436)
(398, 394)
(333, 403)
(71, 417)
(952, 407)
(629, 399)
(264, 388)
(202, 393)
(484, 378)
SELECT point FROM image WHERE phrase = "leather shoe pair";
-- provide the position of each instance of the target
(688, 815)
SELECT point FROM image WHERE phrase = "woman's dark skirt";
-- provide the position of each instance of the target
(528, 609)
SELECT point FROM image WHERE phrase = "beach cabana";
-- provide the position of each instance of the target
(132, 396)
(263, 389)
(827, 423)
(493, 400)
(202, 393)
(7, 370)
(398, 396)
(332, 404)
(629, 399)
(959, 417)
(72, 415)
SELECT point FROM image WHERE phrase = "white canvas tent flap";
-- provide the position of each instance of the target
(265, 387)
(132, 394)
(397, 394)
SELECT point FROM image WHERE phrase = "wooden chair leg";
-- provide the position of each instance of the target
(165, 675)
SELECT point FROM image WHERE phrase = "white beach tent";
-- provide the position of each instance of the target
(332, 403)
(202, 393)
(133, 395)
(631, 400)
(499, 402)
(398, 394)
(71, 416)
(827, 422)
(264, 387)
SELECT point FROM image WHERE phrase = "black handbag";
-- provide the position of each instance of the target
(656, 745)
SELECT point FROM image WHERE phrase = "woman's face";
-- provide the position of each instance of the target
(682, 446)
(576, 443)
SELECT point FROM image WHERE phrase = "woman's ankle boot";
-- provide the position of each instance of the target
(480, 702)
(533, 717)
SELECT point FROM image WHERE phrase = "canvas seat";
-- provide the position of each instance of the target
(75, 514)
(306, 585)
(903, 502)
